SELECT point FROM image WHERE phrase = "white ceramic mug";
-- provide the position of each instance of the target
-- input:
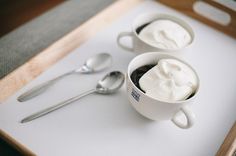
(157, 109)
(138, 45)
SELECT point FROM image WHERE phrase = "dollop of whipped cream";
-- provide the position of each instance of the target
(169, 80)
(165, 34)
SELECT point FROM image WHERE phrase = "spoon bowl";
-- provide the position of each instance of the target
(110, 83)
(97, 63)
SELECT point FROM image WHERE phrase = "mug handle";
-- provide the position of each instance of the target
(125, 34)
(190, 116)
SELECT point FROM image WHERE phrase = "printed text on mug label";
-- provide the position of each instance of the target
(135, 95)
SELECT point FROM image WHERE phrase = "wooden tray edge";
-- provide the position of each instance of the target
(15, 144)
(229, 145)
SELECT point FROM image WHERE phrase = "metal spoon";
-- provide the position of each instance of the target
(107, 85)
(94, 64)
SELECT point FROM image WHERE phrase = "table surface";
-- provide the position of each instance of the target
(108, 124)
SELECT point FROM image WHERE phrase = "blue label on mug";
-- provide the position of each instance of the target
(135, 95)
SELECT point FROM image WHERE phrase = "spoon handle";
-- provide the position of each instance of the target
(37, 90)
(55, 107)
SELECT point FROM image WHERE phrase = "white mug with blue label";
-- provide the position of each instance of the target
(155, 109)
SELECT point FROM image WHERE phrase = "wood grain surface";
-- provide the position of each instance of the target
(228, 148)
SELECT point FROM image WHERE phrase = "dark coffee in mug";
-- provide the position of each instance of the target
(138, 73)
(140, 28)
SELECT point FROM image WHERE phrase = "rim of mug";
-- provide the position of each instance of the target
(167, 56)
(175, 19)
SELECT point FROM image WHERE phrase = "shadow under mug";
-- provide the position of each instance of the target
(140, 46)
(156, 109)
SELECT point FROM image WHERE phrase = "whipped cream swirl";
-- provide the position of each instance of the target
(169, 80)
(165, 34)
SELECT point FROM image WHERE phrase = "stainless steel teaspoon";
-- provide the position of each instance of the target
(94, 64)
(107, 85)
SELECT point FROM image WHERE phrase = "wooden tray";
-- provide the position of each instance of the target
(189, 7)
(54, 53)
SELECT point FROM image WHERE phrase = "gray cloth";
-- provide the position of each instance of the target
(20, 45)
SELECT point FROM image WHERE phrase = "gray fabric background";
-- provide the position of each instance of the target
(26, 41)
